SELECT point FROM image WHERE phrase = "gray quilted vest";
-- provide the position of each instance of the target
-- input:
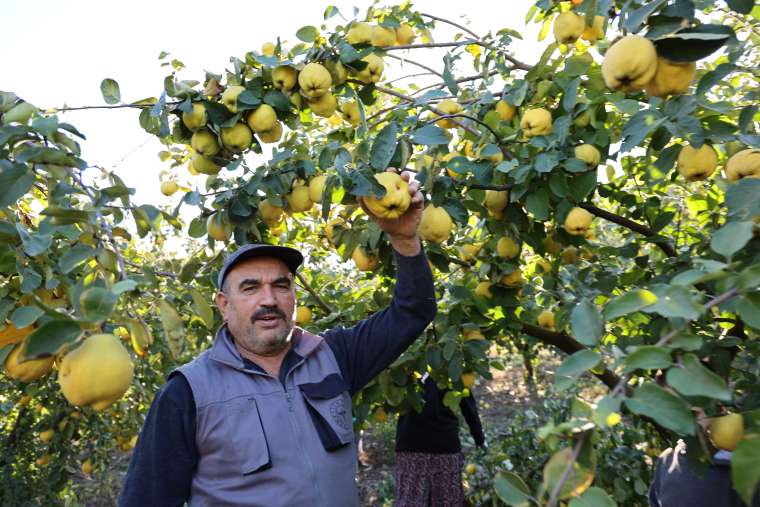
(264, 445)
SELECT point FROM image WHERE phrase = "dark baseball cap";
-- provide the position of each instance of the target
(290, 256)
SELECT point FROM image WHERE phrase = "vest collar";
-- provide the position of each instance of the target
(224, 350)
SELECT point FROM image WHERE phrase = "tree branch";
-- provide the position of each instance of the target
(321, 302)
(661, 242)
(418, 64)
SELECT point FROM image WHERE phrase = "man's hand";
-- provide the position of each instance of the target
(402, 231)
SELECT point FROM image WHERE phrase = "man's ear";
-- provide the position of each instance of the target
(221, 303)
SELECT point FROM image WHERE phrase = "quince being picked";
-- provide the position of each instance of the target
(396, 200)
(630, 64)
(97, 373)
(671, 78)
(536, 122)
(744, 164)
(315, 80)
(697, 164)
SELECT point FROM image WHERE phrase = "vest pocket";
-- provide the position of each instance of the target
(249, 443)
(329, 406)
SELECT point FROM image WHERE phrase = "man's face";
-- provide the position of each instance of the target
(259, 305)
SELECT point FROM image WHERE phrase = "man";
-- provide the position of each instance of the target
(264, 416)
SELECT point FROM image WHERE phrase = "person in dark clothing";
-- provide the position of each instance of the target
(429, 456)
(263, 417)
(675, 485)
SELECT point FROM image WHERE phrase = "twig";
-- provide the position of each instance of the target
(460, 80)
(566, 472)
(452, 23)
(503, 149)
(418, 64)
(321, 302)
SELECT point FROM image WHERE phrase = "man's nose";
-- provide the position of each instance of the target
(267, 296)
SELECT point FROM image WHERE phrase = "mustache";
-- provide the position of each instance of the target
(268, 312)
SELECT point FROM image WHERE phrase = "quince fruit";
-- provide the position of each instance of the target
(448, 106)
(97, 373)
(513, 279)
(196, 118)
(230, 96)
(351, 114)
(436, 224)
(364, 260)
(484, 290)
(468, 379)
(317, 187)
(359, 33)
(472, 334)
(578, 221)
(169, 187)
(29, 370)
(505, 110)
(546, 319)
(671, 78)
(396, 200)
(262, 119)
(205, 142)
(303, 315)
(495, 201)
(271, 136)
(468, 253)
(383, 36)
(267, 49)
(298, 199)
(380, 415)
(405, 35)
(219, 227)
(568, 27)
(551, 245)
(595, 31)
(269, 212)
(744, 164)
(324, 106)
(203, 165)
(284, 78)
(315, 80)
(630, 64)
(373, 72)
(589, 154)
(87, 467)
(337, 72)
(237, 138)
(536, 122)
(726, 431)
(569, 255)
(507, 248)
(697, 164)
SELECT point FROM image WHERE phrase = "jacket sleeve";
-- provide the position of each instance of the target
(164, 460)
(469, 409)
(370, 346)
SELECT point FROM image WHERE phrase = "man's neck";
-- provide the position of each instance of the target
(270, 364)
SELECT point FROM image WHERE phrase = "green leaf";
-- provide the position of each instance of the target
(125, 285)
(97, 304)
(593, 497)
(307, 33)
(587, 323)
(628, 303)
(741, 199)
(202, 308)
(537, 204)
(26, 316)
(639, 127)
(691, 378)
(635, 19)
(15, 181)
(384, 147)
(749, 278)
(511, 489)
(174, 328)
(34, 244)
(278, 100)
(48, 339)
(674, 301)
(429, 135)
(667, 409)
(330, 11)
(745, 467)
(75, 256)
(731, 238)
(110, 90)
(577, 363)
(742, 7)
(686, 341)
(694, 43)
(748, 307)
(647, 357)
